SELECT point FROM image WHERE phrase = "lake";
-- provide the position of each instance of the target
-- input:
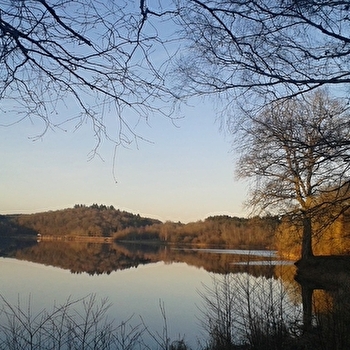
(146, 283)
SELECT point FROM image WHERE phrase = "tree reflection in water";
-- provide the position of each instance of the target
(250, 312)
(250, 304)
(325, 290)
(240, 311)
(104, 258)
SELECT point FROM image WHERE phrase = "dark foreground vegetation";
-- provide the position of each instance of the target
(106, 222)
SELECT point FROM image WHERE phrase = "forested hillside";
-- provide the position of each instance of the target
(271, 232)
(92, 221)
(215, 230)
(106, 221)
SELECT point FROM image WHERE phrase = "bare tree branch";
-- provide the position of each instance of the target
(84, 61)
(264, 49)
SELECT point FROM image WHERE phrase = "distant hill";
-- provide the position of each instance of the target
(106, 221)
(92, 221)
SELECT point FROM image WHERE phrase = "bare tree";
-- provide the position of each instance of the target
(297, 153)
(92, 61)
(263, 50)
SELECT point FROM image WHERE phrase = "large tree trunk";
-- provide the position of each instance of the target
(306, 245)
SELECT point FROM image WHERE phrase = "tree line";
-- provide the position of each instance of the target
(220, 230)
(272, 232)
(106, 221)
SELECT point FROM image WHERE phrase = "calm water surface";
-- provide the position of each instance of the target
(136, 279)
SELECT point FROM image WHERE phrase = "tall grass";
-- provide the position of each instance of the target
(238, 312)
(77, 325)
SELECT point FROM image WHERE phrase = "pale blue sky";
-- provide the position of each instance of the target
(186, 174)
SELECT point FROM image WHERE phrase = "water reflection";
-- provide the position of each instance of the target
(100, 258)
(325, 290)
(267, 302)
(249, 252)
